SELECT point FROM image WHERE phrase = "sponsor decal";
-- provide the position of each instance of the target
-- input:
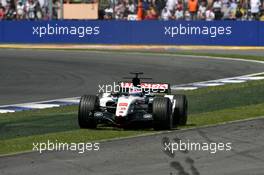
(122, 104)
(146, 85)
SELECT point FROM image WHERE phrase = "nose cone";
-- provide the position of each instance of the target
(122, 106)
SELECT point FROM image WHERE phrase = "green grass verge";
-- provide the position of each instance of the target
(226, 115)
(19, 130)
(223, 97)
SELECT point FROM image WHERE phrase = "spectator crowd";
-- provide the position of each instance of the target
(142, 9)
(28, 9)
(184, 10)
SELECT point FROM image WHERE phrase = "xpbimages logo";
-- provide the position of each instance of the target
(128, 87)
(63, 146)
(53, 30)
(180, 145)
(211, 31)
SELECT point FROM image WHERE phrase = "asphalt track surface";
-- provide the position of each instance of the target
(39, 75)
(146, 155)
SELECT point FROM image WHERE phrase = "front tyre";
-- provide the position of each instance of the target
(88, 105)
(180, 110)
(162, 118)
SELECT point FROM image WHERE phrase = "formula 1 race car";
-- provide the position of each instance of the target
(135, 104)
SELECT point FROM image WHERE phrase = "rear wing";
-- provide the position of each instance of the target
(148, 87)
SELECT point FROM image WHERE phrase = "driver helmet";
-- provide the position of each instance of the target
(135, 91)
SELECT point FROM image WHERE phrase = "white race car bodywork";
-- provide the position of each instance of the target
(125, 104)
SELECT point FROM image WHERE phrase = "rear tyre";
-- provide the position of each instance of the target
(162, 118)
(88, 105)
(180, 110)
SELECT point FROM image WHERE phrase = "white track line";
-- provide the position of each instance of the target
(38, 106)
(2, 111)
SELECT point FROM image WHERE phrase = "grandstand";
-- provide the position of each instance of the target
(132, 9)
